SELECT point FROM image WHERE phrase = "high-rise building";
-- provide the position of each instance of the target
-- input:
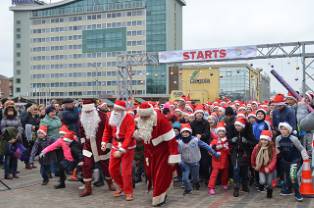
(5, 87)
(70, 48)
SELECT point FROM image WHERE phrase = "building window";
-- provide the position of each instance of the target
(18, 29)
(18, 63)
(18, 45)
(18, 81)
(18, 22)
(18, 72)
(18, 54)
(18, 89)
(18, 36)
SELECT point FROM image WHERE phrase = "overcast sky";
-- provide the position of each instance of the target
(212, 23)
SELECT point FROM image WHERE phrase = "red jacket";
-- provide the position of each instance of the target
(223, 161)
(272, 164)
(121, 135)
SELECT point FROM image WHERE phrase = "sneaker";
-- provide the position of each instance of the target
(261, 188)
(211, 192)
(298, 197)
(197, 186)
(187, 192)
(225, 188)
(60, 186)
(285, 193)
(269, 193)
(245, 188)
(45, 182)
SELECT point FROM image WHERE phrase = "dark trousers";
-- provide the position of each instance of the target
(65, 166)
(10, 165)
(44, 170)
(205, 167)
(290, 177)
(240, 175)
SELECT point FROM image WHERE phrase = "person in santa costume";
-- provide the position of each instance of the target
(92, 124)
(160, 150)
(119, 130)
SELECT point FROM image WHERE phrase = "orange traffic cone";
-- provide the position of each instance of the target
(306, 188)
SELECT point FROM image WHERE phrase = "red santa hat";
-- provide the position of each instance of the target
(266, 134)
(251, 115)
(255, 103)
(88, 105)
(69, 136)
(43, 129)
(199, 109)
(240, 122)
(222, 109)
(221, 127)
(285, 125)
(242, 108)
(120, 104)
(145, 109)
(188, 108)
(309, 95)
(261, 110)
(290, 96)
(241, 115)
(186, 127)
(279, 99)
(63, 129)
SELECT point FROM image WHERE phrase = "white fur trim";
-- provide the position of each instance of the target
(165, 137)
(239, 123)
(122, 150)
(87, 153)
(104, 157)
(221, 129)
(119, 107)
(67, 140)
(186, 129)
(88, 107)
(265, 137)
(87, 179)
(62, 132)
(43, 132)
(279, 103)
(145, 112)
(285, 125)
(159, 199)
(83, 140)
(174, 159)
(108, 145)
(199, 111)
(94, 148)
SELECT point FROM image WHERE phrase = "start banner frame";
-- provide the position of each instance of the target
(203, 55)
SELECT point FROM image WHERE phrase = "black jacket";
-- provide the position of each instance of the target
(202, 128)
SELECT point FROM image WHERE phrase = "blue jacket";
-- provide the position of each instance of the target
(286, 115)
(258, 127)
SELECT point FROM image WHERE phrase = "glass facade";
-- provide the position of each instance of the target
(104, 40)
(156, 41)
(234, 82)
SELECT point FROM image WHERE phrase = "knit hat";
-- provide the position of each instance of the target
(145, 109)
(67, 100)
(120, 104)
(50, 109)
(266, 134)
(221, 127)
(43, 129)
(88, 105)
(199, 109)
(285, 125)
(186, 127)
(176, 125)
(240, 122)
(279, 99)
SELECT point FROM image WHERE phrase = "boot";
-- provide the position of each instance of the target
(197, 186)
(8, 177)
(33, 166)
(110, 185)
(269, 193)
(236, 192)
(245, 188)
(88, 189)
(60, 185)
(28, 166)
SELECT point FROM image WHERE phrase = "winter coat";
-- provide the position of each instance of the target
(12, 122)
(272, 163)
(71, 118)
(286, 115)
(221, 146)
(39, 145)
(202, 128)
(302, 112)
(241, 148)
(258, 127)
(60, 143)
(307, 123)
(30, 120)
(53, 125)
(230, 129)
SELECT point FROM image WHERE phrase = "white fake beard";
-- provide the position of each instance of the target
(90, 123)
(145, 128)
(116, 118)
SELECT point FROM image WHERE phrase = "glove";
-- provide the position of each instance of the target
(234, 139)
(103, 146)
(244, 140)
(218, 154)
(219, 147)
(42, 155)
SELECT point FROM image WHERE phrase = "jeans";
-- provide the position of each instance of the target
(10, 165)
(44, 170)
(266, 179)
(188, 168)
(240, 175)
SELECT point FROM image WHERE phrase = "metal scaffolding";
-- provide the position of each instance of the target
(304, 50)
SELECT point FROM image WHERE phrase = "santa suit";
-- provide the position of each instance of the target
(92, 149)
(160, 152)
(121, 168)
(220, 164)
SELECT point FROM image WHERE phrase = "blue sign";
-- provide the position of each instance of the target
(22, 2)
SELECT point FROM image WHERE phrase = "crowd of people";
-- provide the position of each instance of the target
(245, 143)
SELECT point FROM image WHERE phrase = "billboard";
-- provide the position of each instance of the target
(16, 2)
(202, 55)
